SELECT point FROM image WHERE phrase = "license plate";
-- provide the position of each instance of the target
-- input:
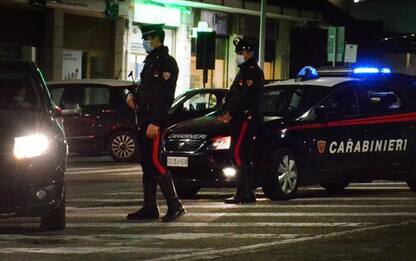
(180, 162)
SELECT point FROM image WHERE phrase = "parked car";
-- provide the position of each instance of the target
(97, 119)
(33, 149)
(354, 125)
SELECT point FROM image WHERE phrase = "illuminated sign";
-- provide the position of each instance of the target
(153, 14)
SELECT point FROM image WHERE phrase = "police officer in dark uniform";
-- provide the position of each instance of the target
(153, 98)
(242, 111)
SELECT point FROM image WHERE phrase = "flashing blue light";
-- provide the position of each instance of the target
(371, 70)
(385, 70)
(307, 73)
(366, 70)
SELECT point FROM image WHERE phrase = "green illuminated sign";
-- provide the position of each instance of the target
(154, 14)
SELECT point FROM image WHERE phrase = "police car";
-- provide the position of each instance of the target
(328, 127)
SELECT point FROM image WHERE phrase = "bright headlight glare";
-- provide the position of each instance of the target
(30, 146)
(221, 143)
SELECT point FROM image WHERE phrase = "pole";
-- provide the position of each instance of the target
(262, 36)
(205, 77)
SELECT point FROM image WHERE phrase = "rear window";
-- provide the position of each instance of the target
(18, 90)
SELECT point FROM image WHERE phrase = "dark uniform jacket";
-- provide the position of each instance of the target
(243, 99)
(156, 91)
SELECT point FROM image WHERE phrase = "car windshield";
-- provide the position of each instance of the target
(18, 90)
(291, 101)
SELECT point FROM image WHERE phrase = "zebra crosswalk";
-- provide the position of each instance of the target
(97, 228)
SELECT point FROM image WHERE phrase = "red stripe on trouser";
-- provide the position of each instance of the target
(155, 155)
(238, 145)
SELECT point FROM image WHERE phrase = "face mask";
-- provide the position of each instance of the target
(147, 46)
(240, 59)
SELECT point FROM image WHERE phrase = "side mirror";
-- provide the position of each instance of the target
(71, 109)
(57, 112)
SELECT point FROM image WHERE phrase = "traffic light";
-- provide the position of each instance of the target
(205, 50)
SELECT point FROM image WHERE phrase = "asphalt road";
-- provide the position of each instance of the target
(375, 221)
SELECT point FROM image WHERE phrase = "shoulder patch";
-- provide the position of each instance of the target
(250, 83)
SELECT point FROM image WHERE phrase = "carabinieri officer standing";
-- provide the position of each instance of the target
(153, 98)
(242, 111)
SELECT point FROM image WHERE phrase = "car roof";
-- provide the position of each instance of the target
(108, 82)
(198, 90)
(322, 81)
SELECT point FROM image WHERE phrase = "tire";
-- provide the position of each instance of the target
(186, 192)
(55, 220)
(281, 177)
(123, 147)
(335, 187)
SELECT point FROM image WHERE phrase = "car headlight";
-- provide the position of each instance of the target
(30, 146)
(221, 143)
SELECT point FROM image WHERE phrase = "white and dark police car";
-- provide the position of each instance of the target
(330, 127)
(33, 148)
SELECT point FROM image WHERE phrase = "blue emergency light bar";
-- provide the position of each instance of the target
(371, 70)
(307, 73)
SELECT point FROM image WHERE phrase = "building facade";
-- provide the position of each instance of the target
(75, 39)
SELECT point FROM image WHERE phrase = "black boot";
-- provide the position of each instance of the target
(245, 188)
(238, 198)
(175, 208)
(150, 210)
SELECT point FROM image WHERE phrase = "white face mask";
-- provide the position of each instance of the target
(240, 59)
(147, 46)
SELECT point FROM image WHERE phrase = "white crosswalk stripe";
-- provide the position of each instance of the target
(96, 221)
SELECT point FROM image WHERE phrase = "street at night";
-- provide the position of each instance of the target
(371, 221)
(207, 129)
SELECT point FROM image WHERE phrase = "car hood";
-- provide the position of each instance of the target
(200, 128)
(209, 127)
(21, 123)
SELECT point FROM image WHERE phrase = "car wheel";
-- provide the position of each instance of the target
(281, 178)
(123, 146)
(54, 220)
(335, 187)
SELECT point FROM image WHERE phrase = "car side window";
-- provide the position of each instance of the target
(342, 104)
(71, 96)
(380, 99)
(201, 102)
(96, 96)
(56, 94)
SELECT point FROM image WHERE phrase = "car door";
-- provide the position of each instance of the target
(391, 128)
(79, 124)
(336, 143)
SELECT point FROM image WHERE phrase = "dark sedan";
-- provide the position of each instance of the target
(97, 119)
(33, 148)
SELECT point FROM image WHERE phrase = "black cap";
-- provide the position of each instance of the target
(152, 30)
(242, 45)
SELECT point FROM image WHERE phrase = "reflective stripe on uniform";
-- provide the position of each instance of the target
(155, 155)
(238, 145)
